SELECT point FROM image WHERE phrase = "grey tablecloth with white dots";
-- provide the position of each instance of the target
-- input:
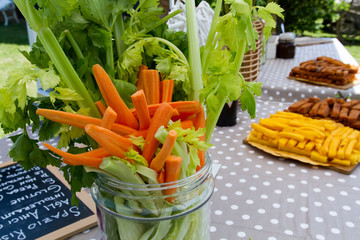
(259, 196)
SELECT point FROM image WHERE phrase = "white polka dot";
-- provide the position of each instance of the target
(266, 183)
(303, 182)
(219, 177)
(279, 179)
(288, 232)
(332, 213)
(242, 180)
(304, 209)
(276, 205)
(272, 238)
(346, 208)
(238, 193)
(303, 194)
(350, 224)
(274, 221)
(318, 204)
(260, 156)
(246, 169)
(258, 227)
(261, 211)
(249, 201)
(228, 185)
(224, 198)
(303, 171)
(255, 176)
(240, 153)
(355, 188)
(241, 234)
(220, 152)
(278, 191)
(290, 200)
(290, 186)
(358, 202)
(218, 212)
(328, 174)
(252, 188)
(289, 215)
(320, 237)
(264, 196)
(280, 169)
(331, 198)
(245, 217)
(292, 175)
(304, 225)
(229, 222)
(233, 173)
(319, 219)
(341, 180)
(316, 190)
(335, 231)
(258, 166)
(329, 185)
(212, 229)
(343, 193)
(316, 177)
(234, 207)
(215, 189)
(268, 172)
(237, 163)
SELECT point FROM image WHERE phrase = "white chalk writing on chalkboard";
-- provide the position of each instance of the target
(35, 203)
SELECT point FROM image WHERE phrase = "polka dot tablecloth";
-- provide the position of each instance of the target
(260, 196)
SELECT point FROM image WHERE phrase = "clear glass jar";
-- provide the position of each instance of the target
(141, 211)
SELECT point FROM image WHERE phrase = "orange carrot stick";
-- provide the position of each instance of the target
(167, 88)
(191, 107)
(151, 82)
(79, 160)
(172, 172)
(142, 110)
(186, 124)
(158, 162)
(101, 107)
(161, 118)
(199, 122)
(142, 133)
(161, 177)
(113, 143)
(140, 82)
(97, 153)
(80, 121)
(113, 99)
(109, 118)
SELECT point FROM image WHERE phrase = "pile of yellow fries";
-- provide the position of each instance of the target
(322, 141)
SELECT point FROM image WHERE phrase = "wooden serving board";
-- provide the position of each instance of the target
(342, 87)
(276, 152)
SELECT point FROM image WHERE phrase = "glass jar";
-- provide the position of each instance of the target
(142, 211)
(286, 45)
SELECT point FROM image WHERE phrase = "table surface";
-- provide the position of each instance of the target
(260, 196)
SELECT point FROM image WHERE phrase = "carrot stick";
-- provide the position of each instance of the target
(151, 86)
(113, 143)
(140, 82)
(101, 107)
(199, 122)
(97, 153)
(142, 133)
(191, 107)
(158, 162)
(161, 177)
(172, 172)
(113, 99)
(73, 158)
(80, 121)
(142, 110)
(186, 124)
(109, 118)
(161, 118)
(167, 88)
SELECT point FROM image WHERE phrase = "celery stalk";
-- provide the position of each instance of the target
(119, 28)
(57, 55)
(194, 50)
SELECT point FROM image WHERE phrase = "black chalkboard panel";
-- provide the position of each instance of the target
(36, 204)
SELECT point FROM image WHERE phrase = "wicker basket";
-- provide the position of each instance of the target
(251, 63)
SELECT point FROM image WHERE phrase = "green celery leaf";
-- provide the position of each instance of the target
(275, 8)
(64, 94)
(48, 130)
(125, 89)
(134, 155)
(48, 78)
(53, 11)
(99, 37)
(138, 141)
(266, 16)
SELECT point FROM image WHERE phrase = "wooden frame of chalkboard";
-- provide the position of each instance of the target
(74, 227)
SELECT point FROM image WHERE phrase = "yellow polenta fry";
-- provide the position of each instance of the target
(345, 163)
(316, 156)
(333, 147)
(330, 126)
(291, 143)
(347, 132)
(325, 146)
(260, 141)
(349, 148)
(337, 132)
(282, 143)
(301, 145)
(343, 144)
(267, 132)
(354, 134)
(272, 124)
(295, 136)
(354, 158)
(309, 146)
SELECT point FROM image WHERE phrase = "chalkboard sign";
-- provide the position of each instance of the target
(36, 204)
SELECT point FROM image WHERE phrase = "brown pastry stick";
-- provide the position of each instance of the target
(295, 106)
(305, 108)
(343, 117)
(335, 112)
(324, 109)
(353, 116)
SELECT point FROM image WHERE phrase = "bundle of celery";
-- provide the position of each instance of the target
(130, 42)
